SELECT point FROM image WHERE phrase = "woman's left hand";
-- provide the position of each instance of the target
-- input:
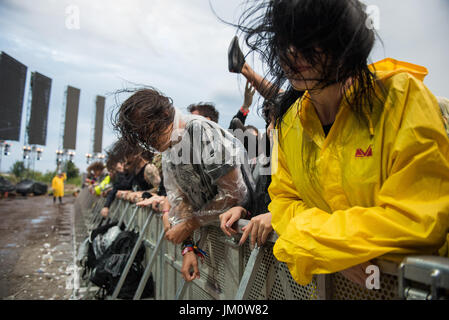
(228, 218)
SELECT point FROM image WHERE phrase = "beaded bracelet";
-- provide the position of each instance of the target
(187, 249)
(188, 241)
(192, 247)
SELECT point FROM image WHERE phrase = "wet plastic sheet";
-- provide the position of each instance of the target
(102, 242)
(203, 171)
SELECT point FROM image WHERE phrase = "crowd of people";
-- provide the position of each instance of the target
(353, 163)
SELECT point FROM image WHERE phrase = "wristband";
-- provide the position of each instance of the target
(245, 112)
(187, 249)
(188, 242)
(188, 246)
(200, 253)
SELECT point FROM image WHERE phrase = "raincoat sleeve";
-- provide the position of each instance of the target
(284, 197)
(179, 205)
(54, 183)
(412, 205)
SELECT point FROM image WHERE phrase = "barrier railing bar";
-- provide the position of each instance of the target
(131, 220)
(132, 256)
(94, 217)
(249, 274)
(146, 274)
(148, 244)
(200, 283)
(122, 217)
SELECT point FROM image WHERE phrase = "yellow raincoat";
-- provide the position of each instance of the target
(102, 186)
(57, 184)
(371, 187)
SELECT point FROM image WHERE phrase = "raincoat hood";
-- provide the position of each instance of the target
(389, 67)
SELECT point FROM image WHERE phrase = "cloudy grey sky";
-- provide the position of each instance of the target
(177, 46)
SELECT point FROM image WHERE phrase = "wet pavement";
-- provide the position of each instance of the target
(38, 242)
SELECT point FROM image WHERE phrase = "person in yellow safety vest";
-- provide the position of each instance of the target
(360, 164)
(57, 184)
(105, 183)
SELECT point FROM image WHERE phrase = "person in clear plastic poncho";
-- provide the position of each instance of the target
(202, 172)
(204, 167)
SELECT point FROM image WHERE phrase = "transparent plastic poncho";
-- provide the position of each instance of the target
(102, 241)
(205, 171)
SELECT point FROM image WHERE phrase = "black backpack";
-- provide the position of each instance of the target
(107, 269)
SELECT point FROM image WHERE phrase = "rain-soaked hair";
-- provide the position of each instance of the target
(206, 109)
(142, 117)
(333, 36)
(122, 151)
(95, 166)
(117, 153)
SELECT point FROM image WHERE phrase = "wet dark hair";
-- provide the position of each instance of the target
(121, 151)
(332, 36)
(206, 109)
(143, 116)
(268, 109)
(111, 161)
(95, 166)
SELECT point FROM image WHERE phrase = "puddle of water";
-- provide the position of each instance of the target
(38, 220)
(10, 245)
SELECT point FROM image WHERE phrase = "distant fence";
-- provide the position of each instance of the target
(229, 271)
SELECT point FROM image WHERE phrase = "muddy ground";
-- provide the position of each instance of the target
(38, 241)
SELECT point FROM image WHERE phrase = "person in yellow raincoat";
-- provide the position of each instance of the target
(360, 165)
(57, 184)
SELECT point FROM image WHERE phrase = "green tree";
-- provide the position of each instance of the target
(18, 169)
(72, 170)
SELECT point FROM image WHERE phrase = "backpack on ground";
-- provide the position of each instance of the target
(107, 268)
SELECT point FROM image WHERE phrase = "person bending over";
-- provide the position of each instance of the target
(204, 167)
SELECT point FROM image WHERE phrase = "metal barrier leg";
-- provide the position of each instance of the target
(97, 218)
(249, 274)
(93, 218)
(116, 211)
(133, 216)
(181, 290)
(122, 217)
(147, 271)
(131, 258)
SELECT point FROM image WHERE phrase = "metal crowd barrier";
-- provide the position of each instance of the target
(236, 272)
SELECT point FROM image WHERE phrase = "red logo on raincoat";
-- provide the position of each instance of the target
(363, 154)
